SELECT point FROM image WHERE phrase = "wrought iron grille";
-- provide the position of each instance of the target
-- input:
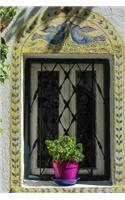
(77, 105)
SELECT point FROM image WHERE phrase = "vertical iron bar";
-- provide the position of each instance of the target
(92, 119)
(40, 123)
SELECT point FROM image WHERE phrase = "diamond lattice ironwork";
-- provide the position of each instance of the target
(66, 104)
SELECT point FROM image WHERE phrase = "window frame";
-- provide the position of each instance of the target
(27, 82)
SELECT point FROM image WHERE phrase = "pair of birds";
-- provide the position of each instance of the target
(56, 34)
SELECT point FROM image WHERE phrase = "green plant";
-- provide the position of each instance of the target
(4, 66)
(6, 15)
(65, 149)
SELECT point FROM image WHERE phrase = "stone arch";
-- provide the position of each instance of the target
(31, 40)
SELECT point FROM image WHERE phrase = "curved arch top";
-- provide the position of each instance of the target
(82, 31)
(90, 23)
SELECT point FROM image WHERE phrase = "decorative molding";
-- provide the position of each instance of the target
(25, 44)
(105, 189)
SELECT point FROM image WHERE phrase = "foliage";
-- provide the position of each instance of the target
(6, 13)
(65, 149)
(4, 67)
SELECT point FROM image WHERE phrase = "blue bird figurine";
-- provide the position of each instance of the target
(54, 34)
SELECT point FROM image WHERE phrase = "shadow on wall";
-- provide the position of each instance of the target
(21, 18)
(48, 15)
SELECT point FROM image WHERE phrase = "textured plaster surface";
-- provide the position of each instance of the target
(4, 140)
(116, 15)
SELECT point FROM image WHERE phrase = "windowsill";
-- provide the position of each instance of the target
(52, 184)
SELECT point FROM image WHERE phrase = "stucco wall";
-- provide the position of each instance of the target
(116, 15)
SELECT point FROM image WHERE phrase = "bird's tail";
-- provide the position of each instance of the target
(99, 38)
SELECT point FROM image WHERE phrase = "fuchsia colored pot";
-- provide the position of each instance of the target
(65, 170)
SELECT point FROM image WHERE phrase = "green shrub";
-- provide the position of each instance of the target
(6, 14)
(65, 149)
(4, 66)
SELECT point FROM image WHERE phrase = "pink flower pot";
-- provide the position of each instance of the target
(65, 170)
(58, 169)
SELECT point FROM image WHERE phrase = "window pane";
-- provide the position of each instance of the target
(85, 103)
(48, 109)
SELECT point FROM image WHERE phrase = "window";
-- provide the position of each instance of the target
(69, 96)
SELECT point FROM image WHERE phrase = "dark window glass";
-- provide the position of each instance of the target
(86, 116)
(48, 105)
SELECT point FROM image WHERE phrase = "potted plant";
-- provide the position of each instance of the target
(66, 154)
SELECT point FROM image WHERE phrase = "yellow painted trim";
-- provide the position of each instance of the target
(22, 46)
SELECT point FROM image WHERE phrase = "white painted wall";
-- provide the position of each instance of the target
(116, 15)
